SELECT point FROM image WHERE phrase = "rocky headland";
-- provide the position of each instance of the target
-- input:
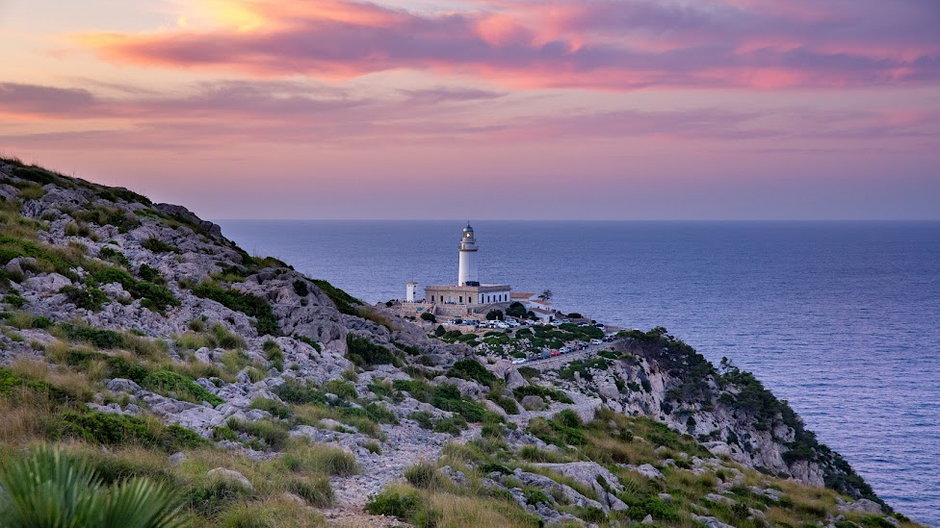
(136, 336)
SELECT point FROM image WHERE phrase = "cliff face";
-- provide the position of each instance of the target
(151, 312)
(728, 410)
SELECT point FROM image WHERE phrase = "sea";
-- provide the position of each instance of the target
(842, 319)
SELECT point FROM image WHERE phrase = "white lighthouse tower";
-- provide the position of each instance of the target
(467, 262)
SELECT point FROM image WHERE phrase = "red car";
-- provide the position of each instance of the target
(555, 353)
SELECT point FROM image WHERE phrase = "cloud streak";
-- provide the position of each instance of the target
(221, 114)
(594, 44)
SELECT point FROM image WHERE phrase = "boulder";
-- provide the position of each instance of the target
(710, 522)
(861, 505)
(550, 487)
(232, 476)
(122, 385)
(648, 471)
(49, 283)
(533, 403)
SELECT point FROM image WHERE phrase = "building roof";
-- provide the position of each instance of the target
(521, 295)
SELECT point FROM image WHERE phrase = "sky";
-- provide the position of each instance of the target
(485, 109)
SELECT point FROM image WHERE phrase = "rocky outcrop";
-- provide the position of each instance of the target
(156, 272)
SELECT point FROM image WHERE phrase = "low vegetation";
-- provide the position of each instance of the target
(247, 303)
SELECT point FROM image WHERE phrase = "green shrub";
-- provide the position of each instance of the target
(293, 391)
(216, 495)
(276, 408)
(344, 302)
(14, 300)
(114, 256)
(424, 475)
(223, 432)
(428, 316)
(158, 246)
(98, 337)
(517, 310)
(365, 353)
(150, 274)
(341, 388)
(247, 303)
(274, 354)
(103, 216)
(323, 459)
(471, 369)
(507, 404)
(35, 174)
(447, 397)
(452, 425)
(177, 386)
(395, 501)
(274, 434)
(41, 322)
(311, 342)
(10, 382)
(535, 454)
(154, 296)
(643, 505)
(568, 418)
(90, 298)
(535, 496)
(544, 392)
(117, 429)
(61, 260)
(315, 490)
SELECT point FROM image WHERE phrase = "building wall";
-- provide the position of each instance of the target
(467, 295)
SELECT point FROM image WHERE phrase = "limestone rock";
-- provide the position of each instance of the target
(861, 505)
(232, 476)
(711, 522)
(533, 403)
(49, 283)
(648, 471)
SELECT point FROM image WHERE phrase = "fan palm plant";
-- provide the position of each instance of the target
(50, 489)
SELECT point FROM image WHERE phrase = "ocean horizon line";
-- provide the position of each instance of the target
(604, 220)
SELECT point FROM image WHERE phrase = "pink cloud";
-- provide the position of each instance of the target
(598, 44)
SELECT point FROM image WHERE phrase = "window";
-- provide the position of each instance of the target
(461, 299)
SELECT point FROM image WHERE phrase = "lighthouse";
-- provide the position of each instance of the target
(468, 296)
(467, 259)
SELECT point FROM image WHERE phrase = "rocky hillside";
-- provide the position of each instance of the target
(136, 336)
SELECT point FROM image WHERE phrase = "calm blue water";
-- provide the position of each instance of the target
(841, 319)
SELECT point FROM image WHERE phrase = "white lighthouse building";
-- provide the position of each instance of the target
(467, 259)
(468, 295)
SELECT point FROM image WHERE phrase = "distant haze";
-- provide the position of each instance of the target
(475, 109)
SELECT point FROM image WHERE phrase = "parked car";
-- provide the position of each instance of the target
(518, 361)
(596, 341)
(555, 353)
